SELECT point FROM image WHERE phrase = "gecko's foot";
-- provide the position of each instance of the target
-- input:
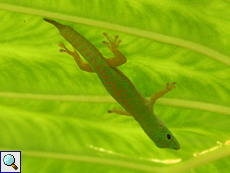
(64, 49)
(113, 111)
(114, 44)
(170, 86)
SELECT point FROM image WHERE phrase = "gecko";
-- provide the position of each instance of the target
(118, 85)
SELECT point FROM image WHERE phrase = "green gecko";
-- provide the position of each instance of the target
(118, 85)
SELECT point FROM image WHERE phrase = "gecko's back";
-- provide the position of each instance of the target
(115, 82)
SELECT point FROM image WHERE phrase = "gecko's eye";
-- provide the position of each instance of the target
(168, 136)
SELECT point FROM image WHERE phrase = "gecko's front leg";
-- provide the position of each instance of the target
(83, 65)
(119, 58)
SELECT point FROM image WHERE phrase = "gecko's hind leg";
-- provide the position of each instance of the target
(119, 58)
(83, 65)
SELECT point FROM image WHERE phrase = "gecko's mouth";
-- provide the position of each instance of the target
(176, 145)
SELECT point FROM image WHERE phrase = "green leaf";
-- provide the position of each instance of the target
(56, 114)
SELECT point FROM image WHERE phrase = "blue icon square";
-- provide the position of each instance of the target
(10, 161)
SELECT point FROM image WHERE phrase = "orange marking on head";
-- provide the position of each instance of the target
(175, 144)
(165, 145)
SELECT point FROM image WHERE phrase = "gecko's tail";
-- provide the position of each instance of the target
(58, 25)
(50, 21)
(82, 45)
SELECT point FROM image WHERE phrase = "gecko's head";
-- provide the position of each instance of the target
(164, 138)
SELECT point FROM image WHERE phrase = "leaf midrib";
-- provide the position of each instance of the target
(108, 99)
(183, 166)
(133, 31)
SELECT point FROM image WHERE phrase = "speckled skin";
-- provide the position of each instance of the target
(122, 89)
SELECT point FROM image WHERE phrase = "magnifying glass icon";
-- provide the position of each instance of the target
(9, 160)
